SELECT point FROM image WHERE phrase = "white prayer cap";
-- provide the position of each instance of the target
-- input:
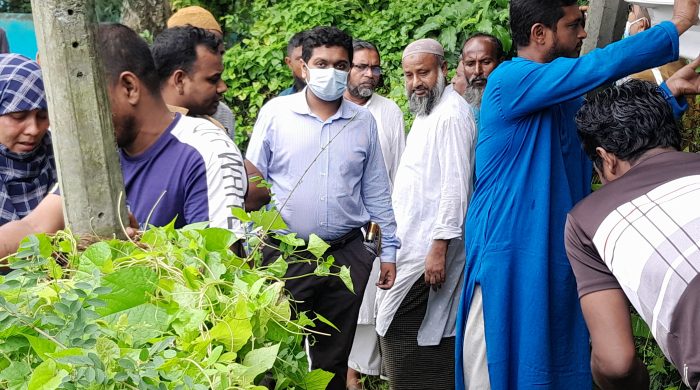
(425, 45)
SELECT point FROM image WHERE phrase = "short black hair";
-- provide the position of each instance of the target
(627, 120)
(526, 13)
(495, 41)
(176, 48)
(123, 50)
(295, 41)
(325, 36)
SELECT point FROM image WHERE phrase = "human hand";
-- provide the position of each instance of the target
(686, 81)
(387, 275)
(133, 229)
(685, 14)
(435, 264)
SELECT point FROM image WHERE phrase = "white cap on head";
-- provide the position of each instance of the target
(425, 45)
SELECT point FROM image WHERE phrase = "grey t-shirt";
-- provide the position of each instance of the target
(641, 233)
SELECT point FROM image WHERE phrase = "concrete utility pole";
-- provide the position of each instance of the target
(605, 23)
(83, 134)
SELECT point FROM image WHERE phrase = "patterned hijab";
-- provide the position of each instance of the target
(26, 177)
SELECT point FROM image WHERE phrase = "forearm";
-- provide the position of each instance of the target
(257, 196)
(12, 233)
(439, 247)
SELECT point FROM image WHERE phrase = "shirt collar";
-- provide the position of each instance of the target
(300, 106)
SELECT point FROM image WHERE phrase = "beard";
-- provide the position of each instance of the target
(559, 51)
(423, 105)
(475, 91)
(360, 92)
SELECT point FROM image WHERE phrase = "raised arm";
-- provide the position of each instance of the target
(535, 86)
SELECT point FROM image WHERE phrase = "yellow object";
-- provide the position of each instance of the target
(195, 16)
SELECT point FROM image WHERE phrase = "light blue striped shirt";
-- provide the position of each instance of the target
(346, 184)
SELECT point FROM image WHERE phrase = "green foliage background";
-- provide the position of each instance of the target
(255, 70)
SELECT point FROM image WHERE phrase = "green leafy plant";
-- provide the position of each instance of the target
(176, 310)
(662, 374)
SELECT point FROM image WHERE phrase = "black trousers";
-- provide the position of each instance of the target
(329, 297)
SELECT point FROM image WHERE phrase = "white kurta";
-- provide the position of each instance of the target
(430, 197)
(392, 139)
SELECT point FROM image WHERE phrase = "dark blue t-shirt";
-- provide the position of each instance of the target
(193, 172)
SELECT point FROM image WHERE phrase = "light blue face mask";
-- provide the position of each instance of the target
(327, 84)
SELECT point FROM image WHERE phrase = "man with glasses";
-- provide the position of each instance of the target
(363, 79)
(416, 318)
(321, 155)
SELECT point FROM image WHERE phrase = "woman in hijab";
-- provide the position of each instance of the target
(27, 167)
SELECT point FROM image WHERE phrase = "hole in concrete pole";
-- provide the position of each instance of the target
(100, 215)
(75, 44)
(80, 74)
(70, 12)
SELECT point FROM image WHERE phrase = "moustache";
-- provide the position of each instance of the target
(477, 80)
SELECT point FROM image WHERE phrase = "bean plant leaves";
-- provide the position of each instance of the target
(290, 239)
(268, 220)
(234, 331)
(317, 246)
(98, 255)
(326, 321)
(317, 380)
(262, 358)
(130, 287)
(41, 346)
(217, 239)
(15, 375)
(46, 376)
(279, 267)
(141, 315)
(344, 275)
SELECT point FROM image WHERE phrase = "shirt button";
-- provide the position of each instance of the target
(323, 198)
(323, 173)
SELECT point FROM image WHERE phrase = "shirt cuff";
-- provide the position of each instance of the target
(673, 34)
(388, 255)
(679, 105)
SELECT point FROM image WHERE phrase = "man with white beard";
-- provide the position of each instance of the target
(481, 54)
(363, 78)
(416, 324)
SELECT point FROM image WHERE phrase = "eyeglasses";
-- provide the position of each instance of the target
(362, 68)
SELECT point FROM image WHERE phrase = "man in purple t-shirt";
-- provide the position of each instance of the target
(635, 240)
(175, 167)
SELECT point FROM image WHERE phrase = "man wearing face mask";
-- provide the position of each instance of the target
(639, 20)
(431, 192)
(322, 156)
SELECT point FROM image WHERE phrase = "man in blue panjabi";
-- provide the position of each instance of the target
(520, 324)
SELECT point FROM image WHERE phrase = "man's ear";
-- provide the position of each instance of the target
(131, 86)
(178, 79)
(538, 34)
(444, 67)
(288, 61)
(304, 71)
(609, 161)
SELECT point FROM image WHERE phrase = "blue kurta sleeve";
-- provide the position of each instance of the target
(536, 86)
